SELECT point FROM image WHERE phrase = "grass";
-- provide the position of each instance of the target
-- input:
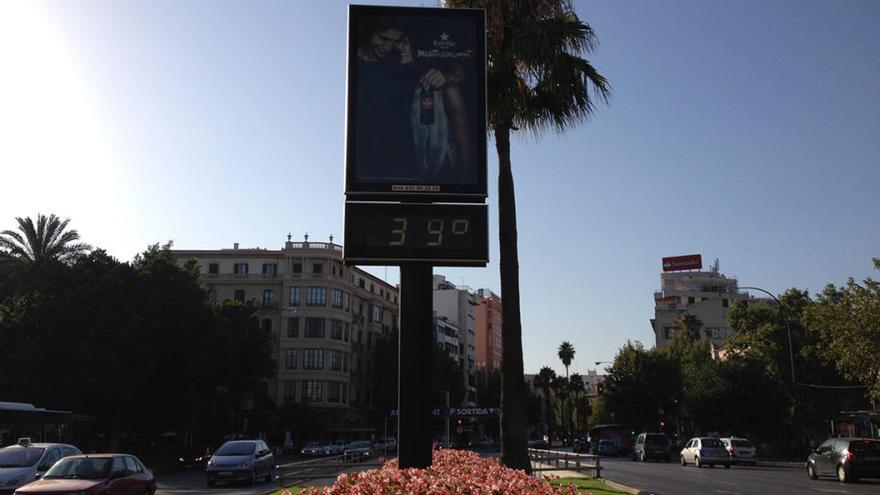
(588, 485)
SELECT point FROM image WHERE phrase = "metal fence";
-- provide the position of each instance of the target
(295, 473)
(554, 460)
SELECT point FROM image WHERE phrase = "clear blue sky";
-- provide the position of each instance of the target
(747, 131)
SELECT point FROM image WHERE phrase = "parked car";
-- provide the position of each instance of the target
(847, 458)
(241, 460)
(312, 448)
(607, 447)
(651, 446)
(741, 450)
(24, 462)
(94, 474)
(705, 451)
(361, 449)
(335, 448)
(388, 444)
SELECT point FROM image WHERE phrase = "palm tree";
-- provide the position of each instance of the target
(544, 379)
(537, 80)
(46, 242)
(566, 354)
(689, 325)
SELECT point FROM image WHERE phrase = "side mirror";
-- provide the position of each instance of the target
(38, 476)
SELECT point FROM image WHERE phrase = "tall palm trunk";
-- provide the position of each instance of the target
(514, 424)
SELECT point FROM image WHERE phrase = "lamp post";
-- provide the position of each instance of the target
(787, 328)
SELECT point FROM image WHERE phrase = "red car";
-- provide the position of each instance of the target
(93, 474)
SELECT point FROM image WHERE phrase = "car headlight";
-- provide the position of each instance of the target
(210, 462)
(15, 481)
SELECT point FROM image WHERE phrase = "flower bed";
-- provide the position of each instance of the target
(453, 472)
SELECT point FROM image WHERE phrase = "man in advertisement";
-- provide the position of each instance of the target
(415, 99)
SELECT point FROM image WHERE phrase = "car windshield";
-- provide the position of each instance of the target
(237, 448)
(741, 443)
(655, 440)
(12, 457)
(865, 447)
(711, 442)
(80, 468)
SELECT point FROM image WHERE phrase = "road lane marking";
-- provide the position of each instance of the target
(828, 490)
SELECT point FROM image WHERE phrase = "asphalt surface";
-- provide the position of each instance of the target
(192, 482)
(672, 479)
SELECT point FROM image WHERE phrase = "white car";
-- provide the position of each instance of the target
(25, 462)
(741, 450)
(705, 451)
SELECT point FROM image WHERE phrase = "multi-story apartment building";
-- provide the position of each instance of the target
(324, 318)
(488, 330)
(708, 295)
(458, 307)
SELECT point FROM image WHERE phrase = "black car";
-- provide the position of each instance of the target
(847, 458)
(581, 445)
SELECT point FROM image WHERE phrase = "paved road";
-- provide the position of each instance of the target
(673, 479)
(192, 482)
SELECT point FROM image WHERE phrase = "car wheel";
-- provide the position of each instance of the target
(253, 480)
(841, 474)
(269, 474)
(727, 466)
(811, 472)
(683, 462)
(698, 462)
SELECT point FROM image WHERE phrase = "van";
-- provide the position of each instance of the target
(651, 446)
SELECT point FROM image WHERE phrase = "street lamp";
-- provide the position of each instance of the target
(787, 328)
(603, 362)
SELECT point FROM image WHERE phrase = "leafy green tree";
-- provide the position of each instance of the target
(566, 355)
(690, 325)
(847, 320)
(537, 80)
(578, 413)
(642, 386)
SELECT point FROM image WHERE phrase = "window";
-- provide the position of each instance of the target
(317, 268)
(691, 300)
(336, 329)
(239, 295)
(314, 390)
(314, 328)
(316, 296)
(346, 301)
(345, 331)
(313, 359)
(344, 392)
(334, 391)
(268, 297)
(266, 325)
(293, 327)
(725, 303)
(240, 268)
(270, 268)
(290, 359)
(289, 390)
(372, 288)
(294, 298)
(361, 283)
(296, 268)
(118, 468)
(376, 313)
(336, 360)
(214, 268)
(336, 300)
(345, 358)
(133, 465)
(369, 340)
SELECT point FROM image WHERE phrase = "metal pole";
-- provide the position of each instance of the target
(416, 355)
(787, 328)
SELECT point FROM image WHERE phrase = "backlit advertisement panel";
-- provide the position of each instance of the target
(677, 263)
(416, 104)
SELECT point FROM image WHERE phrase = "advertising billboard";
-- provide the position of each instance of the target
(677, 263)
(416, 104)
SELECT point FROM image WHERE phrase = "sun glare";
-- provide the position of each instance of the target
(54, 155)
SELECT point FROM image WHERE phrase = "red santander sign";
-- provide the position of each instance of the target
(677, 263)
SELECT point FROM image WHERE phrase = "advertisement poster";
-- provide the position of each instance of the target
(416, 123)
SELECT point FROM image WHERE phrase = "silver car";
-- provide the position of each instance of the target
(241, 460)
(25, 462)
(741, 450)
(705, 451)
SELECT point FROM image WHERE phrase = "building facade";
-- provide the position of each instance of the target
(708, 295)
(456, 307)
(324, 317)
(488, 330)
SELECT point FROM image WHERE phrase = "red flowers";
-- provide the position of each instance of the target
(453, 472)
